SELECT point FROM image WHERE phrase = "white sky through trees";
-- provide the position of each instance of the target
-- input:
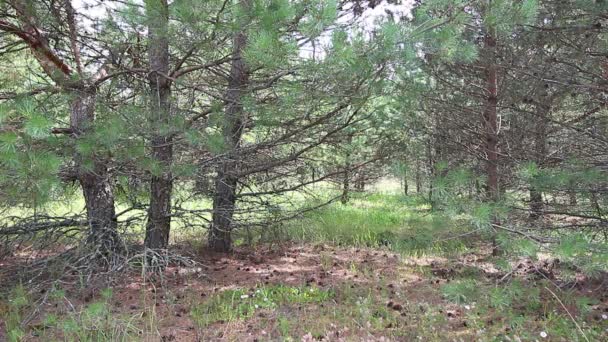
(95, 9)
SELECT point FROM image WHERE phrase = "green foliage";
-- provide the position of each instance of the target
(18, 304)
(517, 246)
(321, 14)
(505, 16)
(38, 127)
(579, 249)
(266, 49)
(460, 292)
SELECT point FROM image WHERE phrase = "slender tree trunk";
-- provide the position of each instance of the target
(490, 118)
(360, 180)
(435, 151)
(345, 187)
(418, 179)
(161, 185)
(405, 183)
(595, 204)
(540, 147)
(347, 173)
(431, 166)
(572, 197)
(224, 198)
(490, 121)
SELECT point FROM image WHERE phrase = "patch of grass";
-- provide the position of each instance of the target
(521, 311)
(93, 322)
(400, 223)
(238, 304)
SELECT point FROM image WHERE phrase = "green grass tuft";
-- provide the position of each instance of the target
(239, 304)
(400, 223)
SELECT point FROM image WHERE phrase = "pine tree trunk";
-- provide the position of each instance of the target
(101, 215)
(595, 204)
(347, 172)
(224, 201)
(345, 186)
(490, 121)
(161, 185)
(572, 197)
(224, 197)
(490, 118)
(94, 178)
(418, 179)
(435, 151)
(536, 203)
(95, 182)
(361, 183)
(540, 147)
(431, 166)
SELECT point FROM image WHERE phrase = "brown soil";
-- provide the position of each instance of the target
(400, 281)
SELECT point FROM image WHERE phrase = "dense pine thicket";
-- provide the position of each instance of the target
(212, 114)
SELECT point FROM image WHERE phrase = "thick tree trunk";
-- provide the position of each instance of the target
(224, 197)
(161, 185)
(490, 121)
(101, 215)
(536, 203)
(224, 201)
(95, 182)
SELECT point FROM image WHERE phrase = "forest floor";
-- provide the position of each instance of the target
(354, 286)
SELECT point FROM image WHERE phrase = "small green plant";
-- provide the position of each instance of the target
(460, 292)
(326, 262)
(284, 326)
(94, 322)
(17, 304)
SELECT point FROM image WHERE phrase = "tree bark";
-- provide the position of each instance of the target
(490, 118)
(224, 201)
(224, 197)
(572, 197)
(418, 178)
(347, 171)
(490, 121)
(95, 182)
(431, 169)
(540, 151)
(158, 225)
(345, 186)
(360, 181)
